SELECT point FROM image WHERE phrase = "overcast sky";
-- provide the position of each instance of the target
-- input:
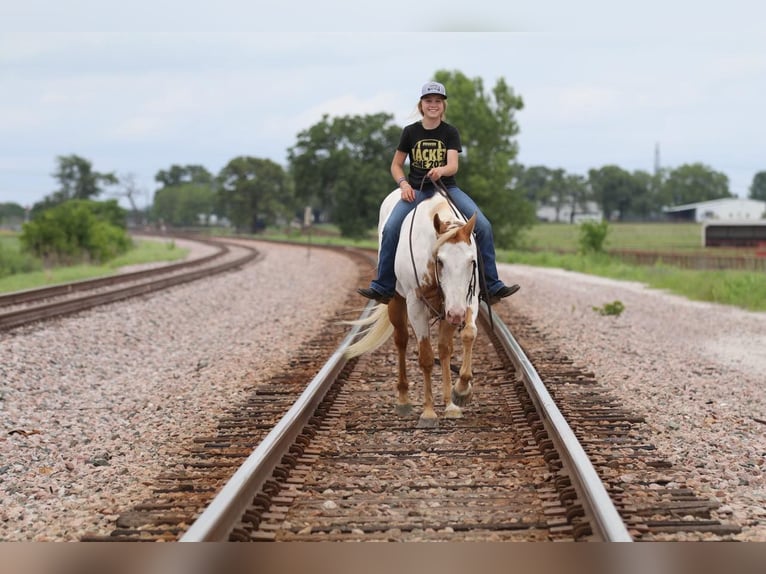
(139, 86)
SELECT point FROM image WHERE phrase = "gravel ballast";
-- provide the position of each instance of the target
(695, 371)
(95, 406)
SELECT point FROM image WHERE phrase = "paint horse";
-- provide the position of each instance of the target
(437, 276)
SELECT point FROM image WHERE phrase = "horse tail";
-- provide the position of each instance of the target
(378, 331)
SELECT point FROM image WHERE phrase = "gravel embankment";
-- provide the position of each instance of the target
(94, 407)
(695, 371)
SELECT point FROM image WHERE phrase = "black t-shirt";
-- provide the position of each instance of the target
(428, 149)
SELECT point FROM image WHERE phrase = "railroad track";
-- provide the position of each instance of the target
(29, 306)
(317, 454)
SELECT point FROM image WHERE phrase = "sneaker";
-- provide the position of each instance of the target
(502, 293)
(370, 293)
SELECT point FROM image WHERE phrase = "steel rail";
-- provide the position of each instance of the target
(220, 517)
(227, 507)
(42, 312)
(598, 507)
(38, 293)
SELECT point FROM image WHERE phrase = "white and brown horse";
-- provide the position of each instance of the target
(437, 277)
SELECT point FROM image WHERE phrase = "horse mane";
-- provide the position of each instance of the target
(449, 234)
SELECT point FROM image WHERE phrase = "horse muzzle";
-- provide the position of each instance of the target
(455, 316)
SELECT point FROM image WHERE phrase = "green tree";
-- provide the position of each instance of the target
(185, 205)
(255, 192)
(78, 180)
(543, 186)
(758, 187)
(577, 194)
(340, 167)
(691, 183)
(559, 196)
(488, 170)
(188, 196)
(183, 174)
(614, 189)
(534, 183)
(643, 202)
(11, 214)
(658, 192)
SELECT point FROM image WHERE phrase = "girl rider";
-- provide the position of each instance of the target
(432, 146)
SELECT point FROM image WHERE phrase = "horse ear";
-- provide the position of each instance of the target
(438, 224)
(470, 224)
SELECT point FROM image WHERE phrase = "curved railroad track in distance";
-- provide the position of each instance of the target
(29, 306)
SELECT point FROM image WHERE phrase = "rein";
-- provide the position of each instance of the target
(439, 314)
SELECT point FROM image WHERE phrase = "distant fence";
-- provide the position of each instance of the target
(697, 261)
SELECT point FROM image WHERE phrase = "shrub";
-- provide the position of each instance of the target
(13, 261)
(592, 236)
(615, 309)
(77, 231)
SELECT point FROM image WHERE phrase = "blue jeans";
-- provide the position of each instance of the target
(386, 281)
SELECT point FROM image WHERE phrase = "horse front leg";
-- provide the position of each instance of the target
(446, 348)
(428, 418)
(463, 390)
(397, 314)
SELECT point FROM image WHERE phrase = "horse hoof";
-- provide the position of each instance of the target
(462, 400)
(404, 410)
(424, 423)
(453, 412)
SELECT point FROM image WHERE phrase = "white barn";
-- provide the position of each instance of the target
(727, 209)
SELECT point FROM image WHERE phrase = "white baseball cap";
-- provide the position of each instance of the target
(433, 88)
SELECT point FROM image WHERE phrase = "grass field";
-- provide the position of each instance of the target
(555, 245)
(644, 236)
(556, 237)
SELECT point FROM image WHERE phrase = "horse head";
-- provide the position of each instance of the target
(455, 266)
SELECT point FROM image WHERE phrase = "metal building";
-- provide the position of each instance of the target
(727, 209)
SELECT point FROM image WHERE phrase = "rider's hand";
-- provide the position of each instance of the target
(408, 194)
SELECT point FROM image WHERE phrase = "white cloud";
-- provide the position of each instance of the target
(584, 104)
(309, 16)
(139, 128)
(137, 102)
